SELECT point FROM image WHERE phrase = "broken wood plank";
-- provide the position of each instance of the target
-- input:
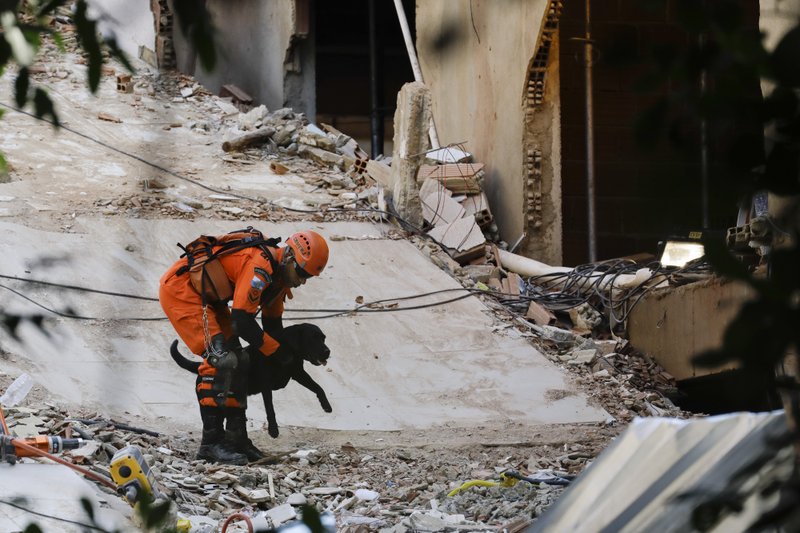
(236, 93)
(109, 117)
(260, 136)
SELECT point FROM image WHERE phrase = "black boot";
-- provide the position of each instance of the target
(236, 435)
(213, 447)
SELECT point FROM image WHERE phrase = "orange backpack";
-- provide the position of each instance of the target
(205, 270)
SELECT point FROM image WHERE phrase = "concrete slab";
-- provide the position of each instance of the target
(439, 365)
(423, 368)
(57, 491)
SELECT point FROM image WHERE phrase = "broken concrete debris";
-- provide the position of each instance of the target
(402, 490)
(399, 490)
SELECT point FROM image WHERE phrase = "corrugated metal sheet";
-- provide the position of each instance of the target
(660, 470)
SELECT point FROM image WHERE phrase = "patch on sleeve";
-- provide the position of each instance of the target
(256, 287)
(264, 274)
(257, 283)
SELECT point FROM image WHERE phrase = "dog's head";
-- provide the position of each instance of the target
(309, 341)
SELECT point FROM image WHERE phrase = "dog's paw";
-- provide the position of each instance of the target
(273, 431)
(326, 405)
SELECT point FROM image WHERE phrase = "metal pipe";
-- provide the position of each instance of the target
(412, 57)
(704, 178)
(375, 85)
(590, 178)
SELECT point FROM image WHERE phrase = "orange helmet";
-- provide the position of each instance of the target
(310, 251)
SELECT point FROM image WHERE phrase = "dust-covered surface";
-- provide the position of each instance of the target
(61, 182)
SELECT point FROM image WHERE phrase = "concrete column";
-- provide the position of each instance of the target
(411, 120)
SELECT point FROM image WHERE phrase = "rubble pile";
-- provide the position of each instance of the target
(387, 489)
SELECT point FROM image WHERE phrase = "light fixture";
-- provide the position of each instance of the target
(677, 253)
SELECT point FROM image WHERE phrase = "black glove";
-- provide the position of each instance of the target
(272, 326)
(224, 362)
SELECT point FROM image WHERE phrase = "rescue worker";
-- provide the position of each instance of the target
(262, 277)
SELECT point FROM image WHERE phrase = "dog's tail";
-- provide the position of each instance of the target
(184, 363)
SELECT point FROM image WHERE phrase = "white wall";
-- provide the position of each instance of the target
(130, 20)
(252, 37)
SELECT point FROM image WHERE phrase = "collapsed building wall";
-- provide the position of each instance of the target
(542, 146)
(477, 58)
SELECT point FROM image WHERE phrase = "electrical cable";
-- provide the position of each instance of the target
(79, 317)
(411, 227)
(384, 310)
(51, 517)
(77, 288)
(362, 308)
(237, 516)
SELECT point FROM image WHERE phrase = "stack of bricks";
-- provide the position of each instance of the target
(165, 49)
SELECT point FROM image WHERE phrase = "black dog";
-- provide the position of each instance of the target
(300, 342)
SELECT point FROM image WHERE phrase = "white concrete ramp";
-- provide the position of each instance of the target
(440, 365)
(49, 495)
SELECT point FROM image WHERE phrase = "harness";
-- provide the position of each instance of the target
(205, 270)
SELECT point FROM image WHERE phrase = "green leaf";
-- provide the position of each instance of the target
(724, 263)
(757, 338)
(88, 508)
(5, 51)
(117, 52)
(155, 513)
(87, 35)
(311, 519)
(195, 24)
(58, 39)
(50, 7)
(21, 49)
(783, 60)
(21, 86)
(43, 106)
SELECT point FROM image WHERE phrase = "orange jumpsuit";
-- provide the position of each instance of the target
(251, 273)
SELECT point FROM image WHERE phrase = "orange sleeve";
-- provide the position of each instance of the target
(254, 277)
(269, 346)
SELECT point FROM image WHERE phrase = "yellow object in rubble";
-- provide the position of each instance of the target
(505, 481)
(133, 477)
